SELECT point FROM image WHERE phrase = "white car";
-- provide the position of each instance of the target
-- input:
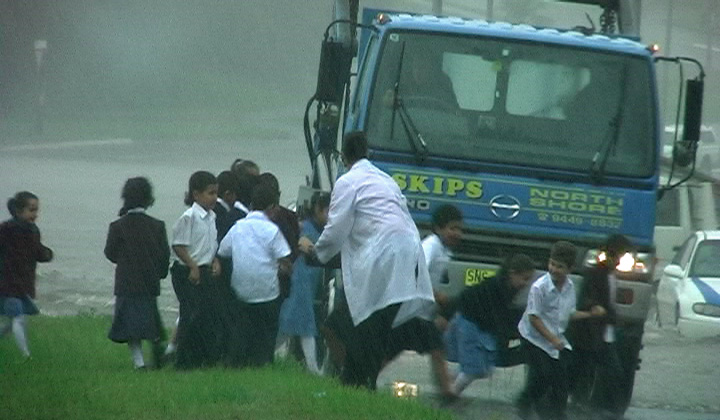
(688, 295)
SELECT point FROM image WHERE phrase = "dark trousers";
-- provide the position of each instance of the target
(199, 330)
(546, 386)
(595, 375)
(232, 318)
(262, 323)
(367, 348)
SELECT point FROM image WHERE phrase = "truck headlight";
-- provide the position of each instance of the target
(637, 263)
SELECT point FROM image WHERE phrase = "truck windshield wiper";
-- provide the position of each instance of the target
(416, 140)
(600, 158)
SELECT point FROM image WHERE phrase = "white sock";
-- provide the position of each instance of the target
(135, 347)
(170, 348)
(282, 346)
(462, 381)
(18, 328)
(308, 347)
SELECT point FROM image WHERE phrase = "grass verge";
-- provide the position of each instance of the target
(76, 372)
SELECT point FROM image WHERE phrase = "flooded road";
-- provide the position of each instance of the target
(79, 186)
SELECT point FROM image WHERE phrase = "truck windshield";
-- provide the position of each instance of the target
(513, 102)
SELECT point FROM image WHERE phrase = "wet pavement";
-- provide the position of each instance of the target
(79, 188)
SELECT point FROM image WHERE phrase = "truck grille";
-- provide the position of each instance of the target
(494, 250)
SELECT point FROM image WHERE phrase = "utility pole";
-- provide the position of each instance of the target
(40, 47)
(712, 31)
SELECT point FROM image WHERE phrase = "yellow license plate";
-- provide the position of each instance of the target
(475, 276)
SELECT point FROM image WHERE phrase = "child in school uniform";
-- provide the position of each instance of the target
(20, 251)
(447, 225)
(138, 245)
(231, 343)
(485, 321)
(259, 254)
(297, 314)
(551, 305)
(194, 245)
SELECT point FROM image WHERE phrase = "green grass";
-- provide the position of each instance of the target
(77, 373)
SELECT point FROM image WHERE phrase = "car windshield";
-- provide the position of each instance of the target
(510, 102)
(706, 262)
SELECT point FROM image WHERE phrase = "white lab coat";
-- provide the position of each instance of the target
(382, 257)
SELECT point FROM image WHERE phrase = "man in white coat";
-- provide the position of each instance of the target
(384, 274)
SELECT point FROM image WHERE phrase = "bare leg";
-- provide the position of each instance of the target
(308, 347)
(440, 371)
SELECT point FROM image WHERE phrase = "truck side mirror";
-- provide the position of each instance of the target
(684, 151)
(693, 110)
(335, 60)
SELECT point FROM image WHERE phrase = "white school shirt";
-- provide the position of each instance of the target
(554, 307)
(255, 245)
(437, 256)
(240, 206)
(225, 205)
(382, 258)
(197, 231)
(609, 335)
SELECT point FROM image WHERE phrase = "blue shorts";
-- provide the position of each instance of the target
(16, 306)
(473, 348)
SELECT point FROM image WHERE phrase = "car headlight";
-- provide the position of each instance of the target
(706, 309)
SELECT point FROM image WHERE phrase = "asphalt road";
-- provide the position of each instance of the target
(677, 381)
(79, 188)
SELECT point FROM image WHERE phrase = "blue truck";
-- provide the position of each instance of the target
(536, 134)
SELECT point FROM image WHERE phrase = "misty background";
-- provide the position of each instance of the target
(164, 68)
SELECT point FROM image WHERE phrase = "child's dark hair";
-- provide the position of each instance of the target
(616, 245)
(518, 263)
(320, 200)
(246, 183)
(355, 146)
(445, 214)
(244, 167)
(199, 181)
(19, 201)
(227, 181)
(272, 184)
(263, 196)
(564, 252)
(137, 192)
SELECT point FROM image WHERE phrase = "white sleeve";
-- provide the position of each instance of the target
(429, 250)
(182, 230)
(340, 221)
(279, 246)
(534, 302)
